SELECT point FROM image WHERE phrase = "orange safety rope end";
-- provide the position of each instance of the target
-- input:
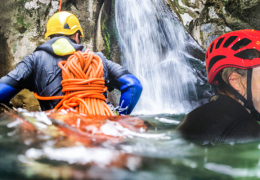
(60, 5)
(82, 85)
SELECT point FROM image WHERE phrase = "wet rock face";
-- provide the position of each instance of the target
(216, 17)
(5, 56)
(25, 20)
(109, 32)
(22, 29)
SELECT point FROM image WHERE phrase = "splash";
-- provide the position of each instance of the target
(154, 45)
(74, 138)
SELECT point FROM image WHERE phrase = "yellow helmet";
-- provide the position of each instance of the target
(63, 23)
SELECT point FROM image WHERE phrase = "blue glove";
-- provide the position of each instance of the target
(131, 90)
(7, 93)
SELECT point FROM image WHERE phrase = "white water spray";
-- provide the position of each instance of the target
(153, 45)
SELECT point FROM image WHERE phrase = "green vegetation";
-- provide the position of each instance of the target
(181, 9)
(15, 47)
(106, 37)
(178, 9)
(192, 14)
(21, 25)
(20, 21)
(201, 36)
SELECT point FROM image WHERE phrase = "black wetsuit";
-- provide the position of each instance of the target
(221, 120)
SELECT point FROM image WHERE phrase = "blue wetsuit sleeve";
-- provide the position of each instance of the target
(131, 90)
(16, 80)
(7, 92)
(120, 78)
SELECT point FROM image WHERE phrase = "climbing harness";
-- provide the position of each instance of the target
(82, 85)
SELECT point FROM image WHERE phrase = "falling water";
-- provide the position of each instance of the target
(154, 46)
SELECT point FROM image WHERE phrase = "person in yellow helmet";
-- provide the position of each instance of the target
(39, 72)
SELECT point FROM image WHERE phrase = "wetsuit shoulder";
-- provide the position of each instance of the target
(112, 71)
(221, 120)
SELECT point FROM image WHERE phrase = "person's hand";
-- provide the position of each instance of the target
(113, 108)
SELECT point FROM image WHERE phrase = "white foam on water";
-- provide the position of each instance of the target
(235, 172)
(117, 130)
(79, 154)
(170, 121)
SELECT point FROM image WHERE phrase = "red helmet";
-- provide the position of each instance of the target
(239, 49)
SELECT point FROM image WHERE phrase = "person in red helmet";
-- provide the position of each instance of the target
(233, 64)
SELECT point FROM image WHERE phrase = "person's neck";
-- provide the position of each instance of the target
(73, 40)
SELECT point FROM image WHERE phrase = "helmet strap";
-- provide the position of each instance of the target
(79, 39)
(248, 103)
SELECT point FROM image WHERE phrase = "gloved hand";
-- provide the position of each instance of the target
(7, 92)
(131, 90)
(113, 108)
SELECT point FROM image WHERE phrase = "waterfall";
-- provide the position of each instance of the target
(154, 44)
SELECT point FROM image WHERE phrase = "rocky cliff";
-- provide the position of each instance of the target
(208, 19)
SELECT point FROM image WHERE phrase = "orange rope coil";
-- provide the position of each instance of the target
(82, 85)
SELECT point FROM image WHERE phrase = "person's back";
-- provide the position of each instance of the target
(221, 120)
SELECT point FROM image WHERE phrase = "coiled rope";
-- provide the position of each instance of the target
(82, 85)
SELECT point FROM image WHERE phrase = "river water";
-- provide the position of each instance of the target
(154, 151)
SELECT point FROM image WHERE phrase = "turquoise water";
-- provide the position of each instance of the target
(158, 153)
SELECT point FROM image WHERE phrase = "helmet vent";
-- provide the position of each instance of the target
(219, 42)
(66, 26)
(214, 60)
(229, 41)
(211, 48)
(248, 54)
(240, 44)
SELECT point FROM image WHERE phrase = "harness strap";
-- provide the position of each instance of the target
(55, 85)
(249, 84)
(248, 103)
(52, 88)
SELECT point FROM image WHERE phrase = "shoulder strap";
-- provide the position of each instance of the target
(248, 103)
(52, 88)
